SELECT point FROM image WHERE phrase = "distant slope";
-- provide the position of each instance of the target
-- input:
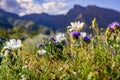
(9, 20)
(53, 21)
(59, 22)
(6, 19)
(86, 14)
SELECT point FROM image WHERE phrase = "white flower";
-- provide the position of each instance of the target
(41, 52)
(70, 28)
(13, 44)
(60, 37)
(74, 73)
(24, 78)
(90, 75)
(24, 67)
(76, 26)
(83, 34)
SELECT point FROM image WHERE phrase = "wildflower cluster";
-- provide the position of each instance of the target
(11, 46)
(72, 55)
(112, 32)
(76, 26)
(74, 31)
(54, 45)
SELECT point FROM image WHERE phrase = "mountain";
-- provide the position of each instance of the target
(53, 21)
(86, 14)
(6, 19)
(59, 22)
(10, 20)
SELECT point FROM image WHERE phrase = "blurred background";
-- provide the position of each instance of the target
(28, 18)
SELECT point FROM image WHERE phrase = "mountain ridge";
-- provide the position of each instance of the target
(104, 16)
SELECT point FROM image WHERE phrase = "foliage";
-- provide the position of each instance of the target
(65, 56)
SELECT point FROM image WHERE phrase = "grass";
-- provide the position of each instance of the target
(93, 61)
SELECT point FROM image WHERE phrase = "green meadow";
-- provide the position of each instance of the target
(72, 55)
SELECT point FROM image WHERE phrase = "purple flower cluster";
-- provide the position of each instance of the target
(52, 38)
(113, 52)
(87, 39)
(76, 34)
(40, 45)
(113, 25)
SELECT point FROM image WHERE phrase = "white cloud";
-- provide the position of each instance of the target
(22, 14)
(10, 6)
(25, 1)
(2, 2)
(62, 12)
(49, 7)
(55, 0)
(53, 5)
(23, 7)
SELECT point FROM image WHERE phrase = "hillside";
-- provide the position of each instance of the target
(59, 22)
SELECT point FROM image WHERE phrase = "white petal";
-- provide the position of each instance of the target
(12, 41)
(72, 24)
(82, 24)
(69, 27)
(13, 44)
(70, 30)
(83, 34)
(19, 41)
(41, 52)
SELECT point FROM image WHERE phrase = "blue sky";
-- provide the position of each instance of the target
(112, 4)
(24, 7)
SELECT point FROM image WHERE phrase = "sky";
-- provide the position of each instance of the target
(25, 7)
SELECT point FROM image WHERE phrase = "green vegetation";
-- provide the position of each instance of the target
(80, 58)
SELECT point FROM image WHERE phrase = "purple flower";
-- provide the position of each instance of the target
(87, 39)
(113, 25)
(113, 52)
(52, 38)
(76, 34)
(40, 44)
